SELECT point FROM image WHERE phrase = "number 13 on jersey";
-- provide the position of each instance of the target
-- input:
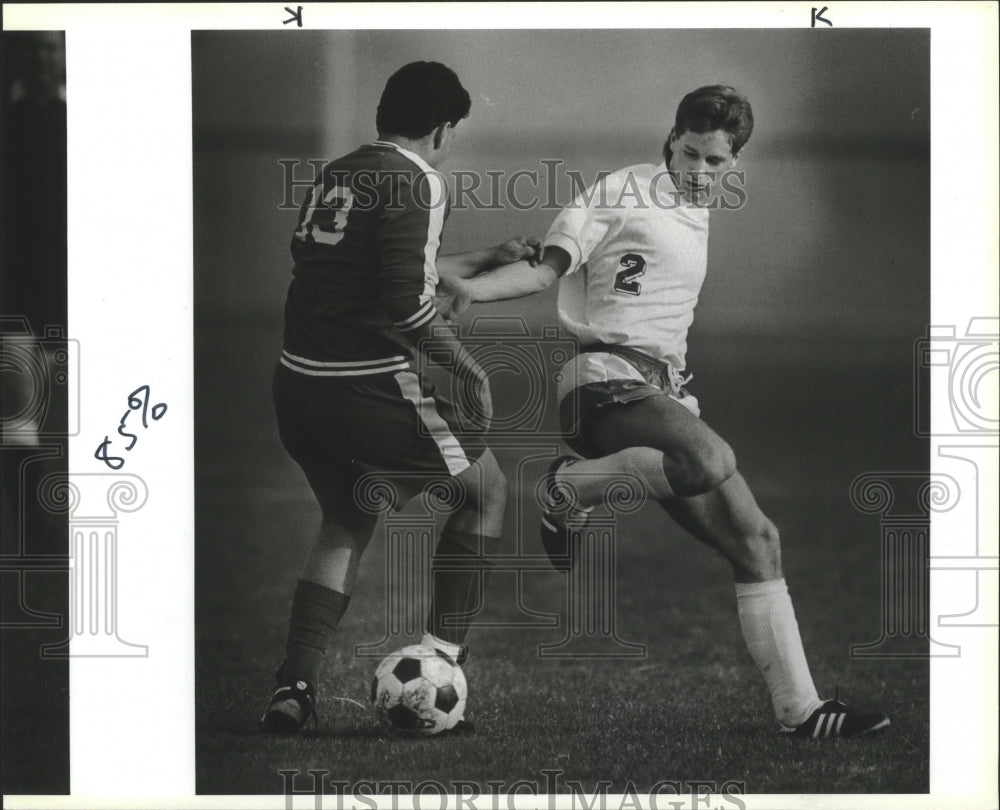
(324, 220)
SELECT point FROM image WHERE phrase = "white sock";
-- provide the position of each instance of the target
(772, 636)
(590, 477)
(449, 649)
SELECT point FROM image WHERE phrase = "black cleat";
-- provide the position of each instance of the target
(290, 707)
(463, 726)
(558, 508)
(835, 719)
(461, 658)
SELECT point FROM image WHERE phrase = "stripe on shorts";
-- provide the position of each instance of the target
(451, 451)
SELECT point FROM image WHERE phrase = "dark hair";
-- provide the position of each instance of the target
(418, 98)
(716, 106)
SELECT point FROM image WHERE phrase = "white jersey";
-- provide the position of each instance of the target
(638, 255)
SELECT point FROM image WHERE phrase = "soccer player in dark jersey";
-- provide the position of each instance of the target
(347, 398)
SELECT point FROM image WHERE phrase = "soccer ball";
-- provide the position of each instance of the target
(420, 690)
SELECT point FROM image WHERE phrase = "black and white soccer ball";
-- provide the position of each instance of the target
(420, 690)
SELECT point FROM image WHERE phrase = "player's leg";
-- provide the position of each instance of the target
(323, 591)
(639, 438)
(728, 519)
(308, 427)
(404, 429)
(321, 597)
(649, 436)
(460, 568)
(630, 431)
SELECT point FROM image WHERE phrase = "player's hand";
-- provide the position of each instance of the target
(528, 248)
(452, 297)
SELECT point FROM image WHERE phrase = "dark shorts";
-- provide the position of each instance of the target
(346, 431)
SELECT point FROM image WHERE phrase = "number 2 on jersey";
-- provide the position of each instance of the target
(633, 266)
(325, 223)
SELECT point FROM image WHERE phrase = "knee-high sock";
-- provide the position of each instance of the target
(460, 574)
(772, 636)
(316, 612)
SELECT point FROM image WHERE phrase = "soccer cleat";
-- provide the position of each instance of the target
(435, 644)
(463, 726)
(290, 707)
(558, 507)
(461, 658)
(836, 719)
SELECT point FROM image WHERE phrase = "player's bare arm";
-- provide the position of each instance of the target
(465, 265)
(514, 280)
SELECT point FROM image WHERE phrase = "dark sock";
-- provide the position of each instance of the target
(460, 574)
(316, 611)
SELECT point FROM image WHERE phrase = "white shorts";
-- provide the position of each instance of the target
(602, 367)
(594, 380)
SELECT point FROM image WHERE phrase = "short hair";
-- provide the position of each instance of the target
(418, 98)
(715, 106)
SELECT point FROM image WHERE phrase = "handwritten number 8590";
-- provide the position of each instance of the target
(138, 400)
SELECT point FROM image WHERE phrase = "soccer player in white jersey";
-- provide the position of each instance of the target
(630, 254)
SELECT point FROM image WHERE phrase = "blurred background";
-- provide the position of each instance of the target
(835, 236)
(34, 591)
(802, 349)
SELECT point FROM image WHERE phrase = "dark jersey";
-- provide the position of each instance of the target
(365, 250)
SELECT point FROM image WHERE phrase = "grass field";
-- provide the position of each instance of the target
(804, 421)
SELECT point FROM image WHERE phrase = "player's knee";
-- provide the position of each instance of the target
(708, 468)
(487, 485)
(720, 465)
(496, 489)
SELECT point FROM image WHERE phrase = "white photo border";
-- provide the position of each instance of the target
(143, 53)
